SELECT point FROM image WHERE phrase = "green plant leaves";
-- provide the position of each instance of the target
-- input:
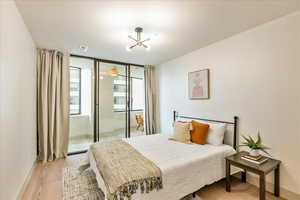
(254, 144)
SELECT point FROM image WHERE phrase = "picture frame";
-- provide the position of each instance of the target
(198, 84)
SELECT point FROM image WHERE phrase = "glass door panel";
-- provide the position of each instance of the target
(106, 102)
(81, 134)
(137, 103)
(112, 98)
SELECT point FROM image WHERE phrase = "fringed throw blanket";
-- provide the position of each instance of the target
(125, 170)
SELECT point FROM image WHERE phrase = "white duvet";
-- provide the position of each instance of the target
(185, 167)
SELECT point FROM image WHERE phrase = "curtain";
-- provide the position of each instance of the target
(150, 103)
(52, 104)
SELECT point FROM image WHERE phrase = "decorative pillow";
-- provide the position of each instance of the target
(199, 132)
(181, 132)
(216, 134)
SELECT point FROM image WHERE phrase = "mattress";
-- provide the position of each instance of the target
(185, 167)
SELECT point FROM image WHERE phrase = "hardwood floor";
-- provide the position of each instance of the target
(46, 182)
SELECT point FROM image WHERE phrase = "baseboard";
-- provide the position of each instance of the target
(254, 180)
(28, 177)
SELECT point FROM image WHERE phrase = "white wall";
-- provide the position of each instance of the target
(254, 75)
(17, 101)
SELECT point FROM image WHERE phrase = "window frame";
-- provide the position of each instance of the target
(77, 68)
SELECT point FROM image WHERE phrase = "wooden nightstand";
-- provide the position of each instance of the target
(261, 170)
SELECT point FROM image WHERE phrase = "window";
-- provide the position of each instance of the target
(75, 91)
(119, 84)
(119, 92)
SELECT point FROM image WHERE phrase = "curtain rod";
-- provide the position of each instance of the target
(106, 61)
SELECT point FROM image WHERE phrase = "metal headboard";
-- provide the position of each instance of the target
(234, 123)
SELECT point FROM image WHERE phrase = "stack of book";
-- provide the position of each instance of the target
(254, 159)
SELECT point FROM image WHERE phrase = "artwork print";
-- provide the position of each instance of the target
(199, 84)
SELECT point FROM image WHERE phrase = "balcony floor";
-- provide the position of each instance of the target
(84, 142)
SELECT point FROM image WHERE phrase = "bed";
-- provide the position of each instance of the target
(185, 167)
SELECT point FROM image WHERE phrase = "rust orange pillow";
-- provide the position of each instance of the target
(199, 132)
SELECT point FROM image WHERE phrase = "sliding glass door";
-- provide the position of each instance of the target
(81, 134)
(106, 102)
(120, 101)
(137, 101)
(111, 101)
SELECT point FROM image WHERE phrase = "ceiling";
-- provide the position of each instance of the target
(175, 27)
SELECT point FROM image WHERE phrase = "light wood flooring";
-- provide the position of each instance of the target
(46, 182)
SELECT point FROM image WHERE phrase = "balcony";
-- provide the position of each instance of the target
(111, 127)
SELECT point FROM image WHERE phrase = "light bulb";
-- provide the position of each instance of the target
(128, 48)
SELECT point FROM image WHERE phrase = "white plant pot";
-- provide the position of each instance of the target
(254, 152)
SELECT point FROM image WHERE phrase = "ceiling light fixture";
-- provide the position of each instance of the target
(111, 72)
(114, 71)
(138, 40)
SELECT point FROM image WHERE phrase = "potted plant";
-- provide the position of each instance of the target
(255, 145)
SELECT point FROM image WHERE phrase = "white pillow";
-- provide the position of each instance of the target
(216, 134)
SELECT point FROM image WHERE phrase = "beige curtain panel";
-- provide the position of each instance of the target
(52, 104)
(150, 97)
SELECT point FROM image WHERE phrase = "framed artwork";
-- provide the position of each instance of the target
(198, 84)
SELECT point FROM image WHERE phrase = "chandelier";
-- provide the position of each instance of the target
(138, 40)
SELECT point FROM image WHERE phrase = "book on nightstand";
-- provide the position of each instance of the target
(254, 159)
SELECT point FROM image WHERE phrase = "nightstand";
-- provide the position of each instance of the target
(262, 170)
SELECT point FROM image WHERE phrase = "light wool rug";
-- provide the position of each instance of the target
(83, 186)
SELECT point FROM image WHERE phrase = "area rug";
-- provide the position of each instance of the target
(83, 186)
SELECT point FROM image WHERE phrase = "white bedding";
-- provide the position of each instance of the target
(185, 167)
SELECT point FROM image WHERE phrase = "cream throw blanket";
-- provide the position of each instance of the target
(125, 170)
